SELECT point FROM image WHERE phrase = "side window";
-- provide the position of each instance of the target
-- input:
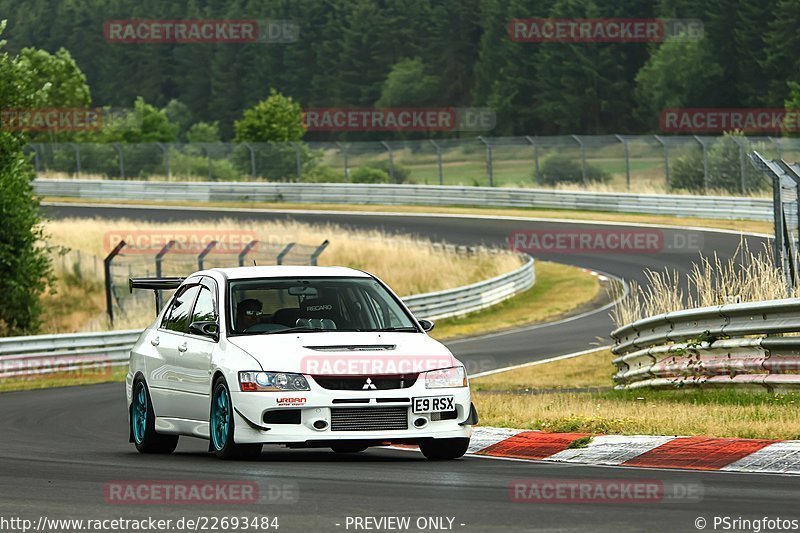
(204, 308)
(179, 314)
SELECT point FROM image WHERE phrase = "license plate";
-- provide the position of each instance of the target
(433, 404)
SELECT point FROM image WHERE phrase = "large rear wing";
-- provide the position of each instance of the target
(155, 284)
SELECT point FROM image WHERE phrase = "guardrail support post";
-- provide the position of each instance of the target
(202, 256)
(245, 251)
(279, 259)
(159, 258)
(107, 273)
(438, 160)
(583, 157)
(489, 165)
(318, 251)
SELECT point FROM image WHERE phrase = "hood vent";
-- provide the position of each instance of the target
(354, 348)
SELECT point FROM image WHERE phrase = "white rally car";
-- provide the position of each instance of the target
(298, 356)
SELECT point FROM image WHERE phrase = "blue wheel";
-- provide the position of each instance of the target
(143, 423)
(221, 426)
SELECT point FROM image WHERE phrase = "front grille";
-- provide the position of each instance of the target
(368, 419)
(360, 382)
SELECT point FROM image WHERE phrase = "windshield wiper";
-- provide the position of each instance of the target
(403, 328)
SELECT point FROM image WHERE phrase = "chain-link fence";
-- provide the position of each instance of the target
(652, 163)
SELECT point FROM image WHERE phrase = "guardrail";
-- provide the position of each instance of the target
(722, 207)
(724, 345)
(43, 354)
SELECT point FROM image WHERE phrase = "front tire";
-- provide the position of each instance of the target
(143, 423)
(221, 427)
(444, 449)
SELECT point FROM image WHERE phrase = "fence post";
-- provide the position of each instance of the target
(535, 157)
(118, 148)
(346, 169)
(279, 259)
(202, 256)
(159, 258)
(624, 142)
(107, 273)
(438, 160)
(246, 251)
(318, 251)
(742, 170)
(583, 157)
(77, 149)
(36, 162)
(666, 161)
(252, 159)
(489, 165)
(298, 161)
(165, 152)
(777, 143)
(204, 146)
(705, 163)
(391, 160)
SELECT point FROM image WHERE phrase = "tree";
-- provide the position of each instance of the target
(409, 85)
(276, 119)
(25, 267)
(203, 132)
(680, 73)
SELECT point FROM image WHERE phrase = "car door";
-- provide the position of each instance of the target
(193, 370)
(169, 340)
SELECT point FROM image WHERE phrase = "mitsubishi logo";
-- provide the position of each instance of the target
(369, 385)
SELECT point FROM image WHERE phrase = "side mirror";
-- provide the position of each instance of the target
(206, 328)
(426, 324)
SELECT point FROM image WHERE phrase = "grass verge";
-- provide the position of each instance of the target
(501, 400)
(559, 289)
(64, 379)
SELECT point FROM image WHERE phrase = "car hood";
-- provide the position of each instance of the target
(346, 353)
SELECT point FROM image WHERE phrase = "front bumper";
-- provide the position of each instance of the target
(316, 405)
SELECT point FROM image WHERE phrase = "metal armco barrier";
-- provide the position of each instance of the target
(724, 345)
(44, 354)
(722, 207)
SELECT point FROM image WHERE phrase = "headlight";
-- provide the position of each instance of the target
(271, 382)
(446, 377)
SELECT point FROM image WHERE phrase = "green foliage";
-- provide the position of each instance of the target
(276, 119)
(369, 175)
(409, 85)
(565, 169)
(401, 173)
(143, 124)
(724, 169)
(24, 259)
(179, 113)
(680, 73)
(203, 132)
(323, 174)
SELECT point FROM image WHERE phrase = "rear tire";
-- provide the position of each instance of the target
(221, 427)
(143, 423)
(444, 449)
(349, 448)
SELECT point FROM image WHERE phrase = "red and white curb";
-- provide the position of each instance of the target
(646, 451)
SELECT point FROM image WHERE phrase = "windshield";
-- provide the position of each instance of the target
(271, 306)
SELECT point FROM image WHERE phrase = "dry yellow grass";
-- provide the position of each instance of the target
(409, 264)
(719, 413)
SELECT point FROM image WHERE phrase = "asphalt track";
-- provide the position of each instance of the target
(60, 447)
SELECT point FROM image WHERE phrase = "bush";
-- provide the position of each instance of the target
(564, 169)
(323, 174)
(188, 164)
(401, 173)
(369, 175)
(724, 169)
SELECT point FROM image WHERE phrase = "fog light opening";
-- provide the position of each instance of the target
(420, 422)
(320, 424)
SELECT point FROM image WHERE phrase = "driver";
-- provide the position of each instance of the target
(248, 313)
